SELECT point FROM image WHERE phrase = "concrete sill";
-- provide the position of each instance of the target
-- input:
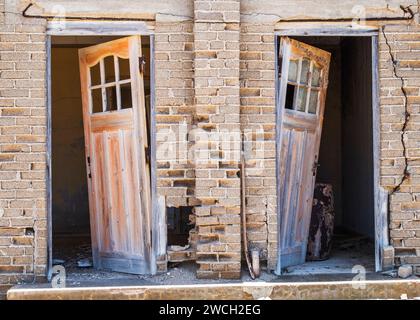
(370, 289)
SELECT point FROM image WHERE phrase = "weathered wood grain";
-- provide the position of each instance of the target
(298, 146)
(118, 178)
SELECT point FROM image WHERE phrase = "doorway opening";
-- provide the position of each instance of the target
(346, 155)
(72, 236)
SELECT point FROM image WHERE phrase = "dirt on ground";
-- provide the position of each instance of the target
(339, 267)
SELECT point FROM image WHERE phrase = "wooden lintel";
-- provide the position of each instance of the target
(104, 28)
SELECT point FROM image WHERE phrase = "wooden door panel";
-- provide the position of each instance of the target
(115, 136)
(300, 125)
(289, 199)
(122, 263)
(296, 122)
(306, 190)
(101, 122)
(296, 199)
(116, 194)
(102, 213)
(118, 206)
(298, 145)
(132, 203)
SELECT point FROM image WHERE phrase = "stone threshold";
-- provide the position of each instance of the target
(370, 289)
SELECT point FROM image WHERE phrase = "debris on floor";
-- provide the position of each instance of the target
(178, 248)
(405, 271)
(68, 251)
(348, 250)
(338, 267)
(390, 273)
(177, 253)
(84, 263)
(58, 262)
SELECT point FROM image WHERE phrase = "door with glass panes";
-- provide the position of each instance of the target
(115, 129)
(302, 90)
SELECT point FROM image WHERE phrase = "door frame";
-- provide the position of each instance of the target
(379, 195)
(100, 28)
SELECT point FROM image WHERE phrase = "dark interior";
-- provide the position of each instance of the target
(179, 225)
(346, 145)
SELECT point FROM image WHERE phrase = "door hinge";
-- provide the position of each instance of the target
(89, 171)
(142, 63)
(315, 167)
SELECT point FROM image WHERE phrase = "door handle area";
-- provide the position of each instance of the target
(315, 167)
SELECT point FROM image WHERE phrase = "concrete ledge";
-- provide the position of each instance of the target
(388, 289)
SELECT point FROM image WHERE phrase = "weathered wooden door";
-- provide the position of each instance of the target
(115, 129)
(302, 90)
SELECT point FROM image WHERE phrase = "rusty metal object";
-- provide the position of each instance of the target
(322, 223)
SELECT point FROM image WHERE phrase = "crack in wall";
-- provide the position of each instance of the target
(408, 14)
(187, 17)
(410, 11)
(406, 173)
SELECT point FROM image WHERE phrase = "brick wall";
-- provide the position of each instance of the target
(175, 110)
(258, 123)
(217, 138)
(214, 74)
(23, 225)
(403, 42)
(174, 115)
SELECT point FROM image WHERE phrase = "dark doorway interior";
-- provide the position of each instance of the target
(346, 153)
(179, 225)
